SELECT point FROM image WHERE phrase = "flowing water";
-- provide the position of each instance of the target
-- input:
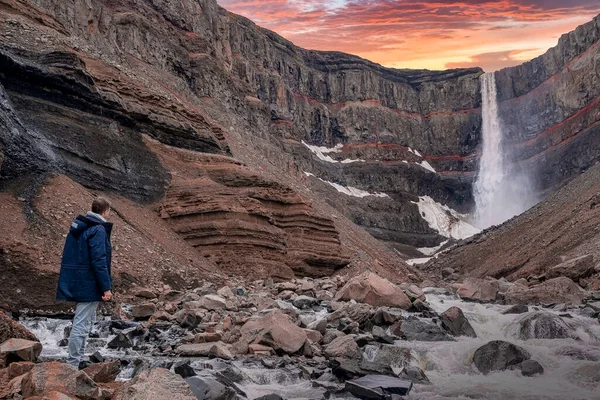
(502, 189)
(572, 366)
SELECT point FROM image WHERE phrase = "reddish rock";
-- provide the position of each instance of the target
(53, 395)
(371, 289)
(256, 348)
(55, 376)
(575, 269)
(227, 323)
(454, 321)
(19, 368)
(275, 330)
(481, 290)
(344, 347)
(144, 293)
(104, 372)
(155, 384)
(217, 349)
(207, 337)
(313, 336)
(557, 290)
(143, 311)
(20, 350)
(11, 329)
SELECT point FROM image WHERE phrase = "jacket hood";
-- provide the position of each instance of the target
(82, 223)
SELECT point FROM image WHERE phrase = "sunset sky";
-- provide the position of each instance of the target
(435, 34)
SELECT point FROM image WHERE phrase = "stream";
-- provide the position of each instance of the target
(572, 365)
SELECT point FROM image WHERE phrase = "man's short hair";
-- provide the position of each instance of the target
(99, 205)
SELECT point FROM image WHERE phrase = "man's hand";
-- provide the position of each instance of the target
(107, 295)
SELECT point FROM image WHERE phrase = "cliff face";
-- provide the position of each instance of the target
(99, 90)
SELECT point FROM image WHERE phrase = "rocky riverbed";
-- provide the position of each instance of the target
(313, 338)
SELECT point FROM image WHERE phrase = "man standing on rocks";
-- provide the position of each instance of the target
(85, 276)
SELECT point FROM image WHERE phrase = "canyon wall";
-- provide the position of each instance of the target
(87, 85)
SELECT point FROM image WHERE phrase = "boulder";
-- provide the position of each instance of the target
(55, 376)
(19, 368)
(156, 383)
(557, 290)
(371, 289)
(575, 269)
(319, 325)
(184, 369)
(144, 293)
(313, 336)
(305, 302)
(207, 337)
(480, 290)
(413, 374)
(420, 331)
(14, 350)
(207, 387)
(256, 348)
(143, 311)
(104, 372)
(121, 341)
(386, 316)
(53, 395)
(213, 302)
(531, 368)
(226, 292)
(542, 325)
(217, 349)
(331, 335)
(413, 292)
(517, 309)
(343, 347)
(381, 335)
(499, 355)
(378, 387)
(275, 330)
(357, 312)
(345, 368)
(11, 329)
(454, 321)
(394, 356)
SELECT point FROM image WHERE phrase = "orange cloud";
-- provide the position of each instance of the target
(422, 34)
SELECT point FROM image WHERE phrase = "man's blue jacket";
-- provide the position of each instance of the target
(85, 269)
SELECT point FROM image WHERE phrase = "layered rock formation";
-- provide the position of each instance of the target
(104, 91)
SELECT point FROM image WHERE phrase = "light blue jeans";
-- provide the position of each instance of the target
(85, 316)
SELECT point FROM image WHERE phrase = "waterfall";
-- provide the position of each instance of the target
(502, 189)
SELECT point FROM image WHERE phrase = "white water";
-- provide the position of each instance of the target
(502, 190)
(449, 364)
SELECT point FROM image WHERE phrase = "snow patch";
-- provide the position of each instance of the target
(349, 190)
(354, 192)
(427, 166)
(445, 220)
(415, 152)
(429, 251)
(418, 261)
(321, 153)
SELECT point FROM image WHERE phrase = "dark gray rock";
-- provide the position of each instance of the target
(305, 302)
(418, 330)
(414, 374)
(531, 368)
(499, 355)
(120, 341)
(345, 369)
(381, 335)
(543, 325)
(184, 369)
(206, 387)
(378, 387)
(517, 309)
